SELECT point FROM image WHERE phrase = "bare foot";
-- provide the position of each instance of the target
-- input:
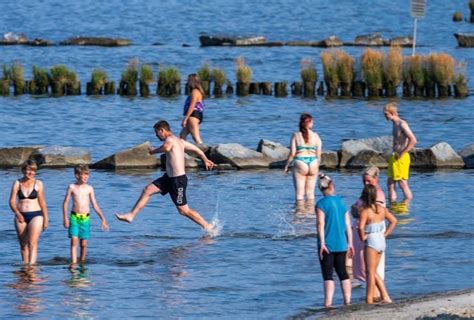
(387, 300)
(125, 217)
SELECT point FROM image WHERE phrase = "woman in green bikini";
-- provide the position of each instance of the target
(304, 157)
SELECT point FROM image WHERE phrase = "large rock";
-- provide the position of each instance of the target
(373, 39)
(467, 154)
(465, 39)
(15, 156)
(402, 41)
(135, 157)
(274, 151)
(216, 40)
(367, 158)
(329, 160)
(58, 156)
(96, 41)
(440, 155)
(239, 156)
(331, 41)
(351, 148)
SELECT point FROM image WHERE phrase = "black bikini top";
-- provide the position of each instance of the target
(33, 195)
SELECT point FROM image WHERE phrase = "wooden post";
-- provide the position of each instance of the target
(281, 89)
(309, 88)
(266, 88)
(243, 88)
(297, 88)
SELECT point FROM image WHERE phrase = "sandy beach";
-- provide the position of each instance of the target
(448, 305)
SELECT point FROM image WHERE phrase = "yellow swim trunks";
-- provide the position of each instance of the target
(399, 169)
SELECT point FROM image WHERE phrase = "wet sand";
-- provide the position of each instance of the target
(447, 305)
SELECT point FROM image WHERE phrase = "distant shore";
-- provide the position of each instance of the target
(443, 305)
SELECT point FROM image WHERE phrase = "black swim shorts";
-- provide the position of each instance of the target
(197, 114)
(175, 186)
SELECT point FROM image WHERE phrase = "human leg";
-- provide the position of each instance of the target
(35, 227)
(147, 192)
(311, 178)
(341, 270)
(300, 170)
(371, 260)
(186, 211)
(83, 250)
(406, 190)
(22, 233)
(184, 133)
(193, 127)
(74, 244)
(391, 190)
(327, 266)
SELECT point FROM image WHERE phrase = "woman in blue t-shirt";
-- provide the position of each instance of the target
(334, 240)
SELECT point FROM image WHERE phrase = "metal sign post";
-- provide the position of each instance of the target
(418, 8)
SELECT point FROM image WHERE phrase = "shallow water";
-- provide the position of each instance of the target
(264, 262)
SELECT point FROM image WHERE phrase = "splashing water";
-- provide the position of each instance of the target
(216, 227)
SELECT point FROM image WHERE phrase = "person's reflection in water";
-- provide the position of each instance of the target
(401, 208)
(305, 208)
(28, 288)
(79, 277)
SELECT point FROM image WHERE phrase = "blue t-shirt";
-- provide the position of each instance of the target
(334, 210)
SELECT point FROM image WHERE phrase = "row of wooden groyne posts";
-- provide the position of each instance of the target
(375, 74)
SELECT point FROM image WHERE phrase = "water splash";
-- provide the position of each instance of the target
(216, 227)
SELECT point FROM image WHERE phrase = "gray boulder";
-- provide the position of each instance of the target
(367, 158)
(58, 156)
(373, 39)
(440, 155)
(467, 154)
(274, 151)
(15, 156)
(331, 41)
(96, 41)
(329, 159)
(238, 156)
(378, 145)
(135, 157)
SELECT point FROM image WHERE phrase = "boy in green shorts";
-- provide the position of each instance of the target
(78, 223)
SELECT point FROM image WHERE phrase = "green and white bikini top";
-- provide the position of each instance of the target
(304, 147)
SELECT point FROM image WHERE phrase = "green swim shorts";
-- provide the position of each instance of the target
(79, 225)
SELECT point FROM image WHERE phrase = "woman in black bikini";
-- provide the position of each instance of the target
(31, 214)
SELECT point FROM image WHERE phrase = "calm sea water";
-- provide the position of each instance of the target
(263, 265)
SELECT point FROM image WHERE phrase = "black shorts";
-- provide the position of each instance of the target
(175, 186)
(198, 115)
(331, 261)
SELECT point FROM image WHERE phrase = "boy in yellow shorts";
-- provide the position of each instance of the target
(78, 223)
(399, 162)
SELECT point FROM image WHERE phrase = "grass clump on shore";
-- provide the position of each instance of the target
(146, 74)
(17, 73)
(417, 70)
(344, 66)
(98, 78)
(372, 69)
(169, 75)
(331, 77)
(204, 73)
(40, 77)
(60, 74)
(308, 71)
(243, 71)
(392, 66)
(130, 74)
(218, 76)
(6, 73)
(443, 69)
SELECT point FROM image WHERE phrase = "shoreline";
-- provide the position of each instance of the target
(458, 304)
